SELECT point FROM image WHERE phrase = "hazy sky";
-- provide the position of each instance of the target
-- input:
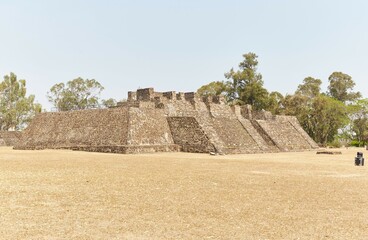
(180, 45)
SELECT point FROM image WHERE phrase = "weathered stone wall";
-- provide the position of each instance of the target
(271, 145)
(128, 149)
(148, 127)
(9, 138)
(264, 145)
(189, 135)
(295, 123)
(262, 115)
(101, 127)
(203, 117)
(189, 105)
(227, 125)
(235, 138)
(284, 135)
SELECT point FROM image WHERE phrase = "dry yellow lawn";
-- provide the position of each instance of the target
(77, 195)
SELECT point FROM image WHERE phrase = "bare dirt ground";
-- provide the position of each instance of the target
(77, 195)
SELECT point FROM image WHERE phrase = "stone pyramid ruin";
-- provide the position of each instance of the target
(152, 121)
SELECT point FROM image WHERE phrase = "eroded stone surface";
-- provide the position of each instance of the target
(9, 138)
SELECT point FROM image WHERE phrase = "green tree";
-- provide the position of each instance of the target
(245, 86)
(311, 87)
(300, 106)
(359, 120)
(341, 87)
(109, 103)
(360, 128)
(16, 109)
(275, 103)
(327, 116)
(320, 115)
(76, 94)
(213, 89)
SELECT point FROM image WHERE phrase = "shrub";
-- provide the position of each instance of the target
(356, 143)
(335, 144)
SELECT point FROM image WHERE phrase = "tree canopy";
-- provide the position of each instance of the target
(243, 86)
(76, 94)
(310, 87)
(275, 102)
(16, 109)
(213, 89)
(359, 121)
(326, 117)
(341, 86)
(246, 85)
(109, 103)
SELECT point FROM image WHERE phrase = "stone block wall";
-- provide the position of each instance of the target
(284, 135)
(145, 94)
(189, 135)
(148, 127)
(227, 125)
(205, 120)
(253, 131)
(9, 138)
(235, 138)
(99, 127)
(295, 123)
(281, 133)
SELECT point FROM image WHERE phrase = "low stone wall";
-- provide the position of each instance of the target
(9, 138)
(129, 149)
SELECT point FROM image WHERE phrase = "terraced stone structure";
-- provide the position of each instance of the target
(152, 121)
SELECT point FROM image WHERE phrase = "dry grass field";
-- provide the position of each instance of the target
(77, 195)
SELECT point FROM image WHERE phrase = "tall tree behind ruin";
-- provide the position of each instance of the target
(358, 115)
(327, 116)
(76, 94)
(311, 87)
(215, 88)
(109, 103)
(246, 85)
(341, 87)
(274, 102)
(16, 110)
(320, 115)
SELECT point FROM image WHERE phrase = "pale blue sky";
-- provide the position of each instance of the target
(180, 45)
